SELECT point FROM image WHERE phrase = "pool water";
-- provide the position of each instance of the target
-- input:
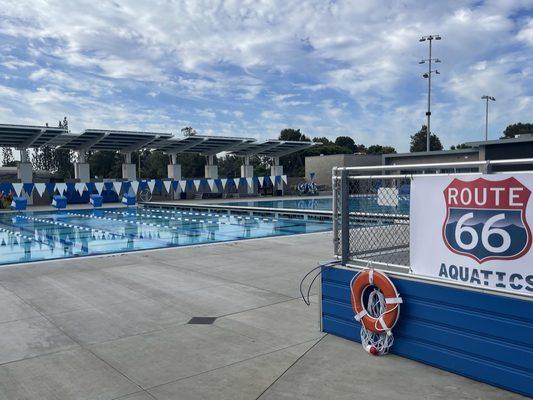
(367, 204)
(34, 236)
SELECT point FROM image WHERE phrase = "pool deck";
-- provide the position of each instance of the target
(231, 205)
(83, 206)
(184, 203)
(242, 199)
(116, 327)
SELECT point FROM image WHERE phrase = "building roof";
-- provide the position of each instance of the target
(432, 153)
(273, 148)
(521, 139)
(26, 136)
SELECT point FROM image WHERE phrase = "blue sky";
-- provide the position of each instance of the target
(251, 68)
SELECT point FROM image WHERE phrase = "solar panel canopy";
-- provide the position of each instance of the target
(28, 136)
(273, 148)
(207, 145)
(101, 139)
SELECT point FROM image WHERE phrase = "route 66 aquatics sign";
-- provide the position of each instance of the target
(474, 229)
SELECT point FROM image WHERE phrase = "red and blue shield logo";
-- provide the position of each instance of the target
(486, 219)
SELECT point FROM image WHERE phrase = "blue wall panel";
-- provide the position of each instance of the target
(482, 336)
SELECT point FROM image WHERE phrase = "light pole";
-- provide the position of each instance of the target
(427, 75)
(487, 98)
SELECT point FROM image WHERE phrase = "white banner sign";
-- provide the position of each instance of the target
(474, 229)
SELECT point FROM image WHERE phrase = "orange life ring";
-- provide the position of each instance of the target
(386, 321)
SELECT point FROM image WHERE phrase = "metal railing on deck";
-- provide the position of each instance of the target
(371, 212)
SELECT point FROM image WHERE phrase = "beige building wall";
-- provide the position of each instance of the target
(443, 156)
(322, 165)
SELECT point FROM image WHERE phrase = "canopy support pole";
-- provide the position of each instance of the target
(82, 171)
(129, 171)
(211, 170)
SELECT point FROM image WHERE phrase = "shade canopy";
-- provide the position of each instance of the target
(273, 148)
(102, 139)
(206, 145)
(27, 136)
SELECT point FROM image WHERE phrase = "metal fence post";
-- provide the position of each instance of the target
(334, 211)
(345, 217)
(487, 168)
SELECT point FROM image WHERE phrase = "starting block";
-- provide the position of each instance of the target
(96, 200)
(19, 203)
(129, 199)
(59, 202)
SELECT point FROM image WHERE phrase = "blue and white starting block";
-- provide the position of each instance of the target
(96, 200)
(59, 202)
(129, 199)
(19, 203)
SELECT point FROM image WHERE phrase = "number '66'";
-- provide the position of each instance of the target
(487, 231)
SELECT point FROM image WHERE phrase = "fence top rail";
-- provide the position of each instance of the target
(464, 164)
(405, 176)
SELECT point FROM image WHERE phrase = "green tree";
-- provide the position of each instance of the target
(261, 165)
(346, 141)
(62, 162)
(105, 164)
(43, 158)
(293, 164)
(229, 166)
(327, 149)
(293, 135)
(188, 131)
(517, 129)
(460, 146)
(418, 141)
(323, 140)
(378, 149)
(56, 161)
(7, 157)
(153, 164)
(192, 165)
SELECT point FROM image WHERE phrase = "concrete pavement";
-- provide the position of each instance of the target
(116, 327)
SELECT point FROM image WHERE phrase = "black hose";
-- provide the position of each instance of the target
(306, 300)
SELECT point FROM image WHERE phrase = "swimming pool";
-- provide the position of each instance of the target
(367, 204)
(35, 236)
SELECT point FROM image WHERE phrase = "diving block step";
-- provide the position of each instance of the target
(96, 200)
(129, 199)
(19, 203)
(59, 201)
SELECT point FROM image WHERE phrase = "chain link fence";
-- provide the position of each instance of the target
(378, 222)
(371, 213)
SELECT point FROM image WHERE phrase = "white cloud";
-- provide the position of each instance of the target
(526, 33)
(271, 115)
(330, 68)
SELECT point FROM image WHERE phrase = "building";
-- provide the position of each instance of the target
(432, 157)
(500, 149)
(322, 165)
(505, 149)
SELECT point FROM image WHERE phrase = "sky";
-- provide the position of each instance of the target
(250, 68)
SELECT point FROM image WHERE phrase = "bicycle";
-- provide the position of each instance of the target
(145, 195)
(307, 188)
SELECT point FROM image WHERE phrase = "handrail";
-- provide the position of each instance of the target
(405, 176)
(436, 165)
